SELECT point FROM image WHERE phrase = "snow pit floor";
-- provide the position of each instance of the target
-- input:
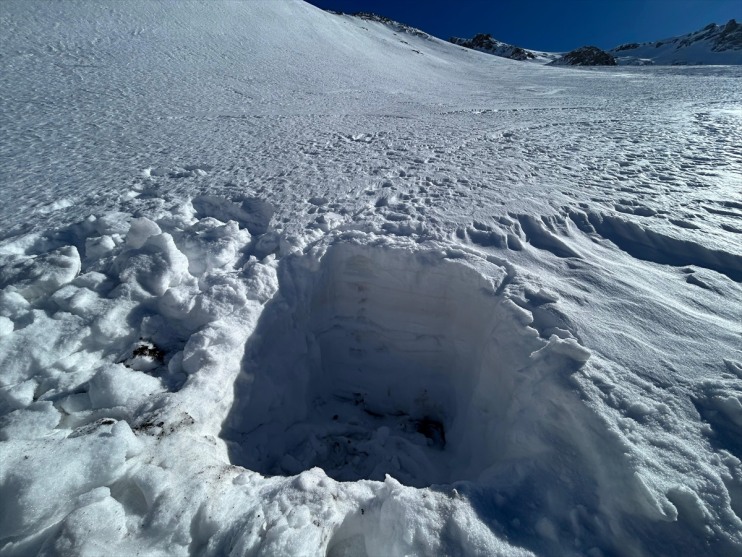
(408, 364)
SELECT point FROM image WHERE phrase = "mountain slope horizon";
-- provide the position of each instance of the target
(712, 45)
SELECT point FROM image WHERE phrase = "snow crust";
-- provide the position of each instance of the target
(275, 281)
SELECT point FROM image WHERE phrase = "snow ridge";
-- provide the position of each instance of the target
(714, 44)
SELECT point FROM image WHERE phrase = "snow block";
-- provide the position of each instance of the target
(252, 213)
(155, 264)
(37, 276)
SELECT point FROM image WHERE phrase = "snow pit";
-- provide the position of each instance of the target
(379, 361)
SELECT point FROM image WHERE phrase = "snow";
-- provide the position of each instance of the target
(485, 43)
(714, 44)
(668, 54)
(278, 281)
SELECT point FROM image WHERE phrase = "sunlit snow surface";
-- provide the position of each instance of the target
(277, 281)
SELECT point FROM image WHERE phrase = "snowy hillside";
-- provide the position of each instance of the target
(276, 281)
(714, 44)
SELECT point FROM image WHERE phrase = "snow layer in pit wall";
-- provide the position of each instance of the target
(276, 281)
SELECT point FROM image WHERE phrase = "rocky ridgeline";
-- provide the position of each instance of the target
(714, 44)
(729, 38)
(486, 43)
(720, 38)
(396, 25)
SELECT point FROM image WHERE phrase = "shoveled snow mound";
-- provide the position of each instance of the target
(276, 281)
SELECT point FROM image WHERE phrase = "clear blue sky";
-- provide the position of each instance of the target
(555, 25)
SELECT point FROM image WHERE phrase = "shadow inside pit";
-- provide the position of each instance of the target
(374, 361)
(380, 361)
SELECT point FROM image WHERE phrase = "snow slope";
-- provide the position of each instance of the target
(714, 44)
(278, 281)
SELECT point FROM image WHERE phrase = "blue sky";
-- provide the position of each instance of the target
(551, 24)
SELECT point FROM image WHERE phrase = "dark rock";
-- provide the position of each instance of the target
(484, 42)
(521, 54)
(586, 56)
(730, 37)
(627, 46)
(396, 25)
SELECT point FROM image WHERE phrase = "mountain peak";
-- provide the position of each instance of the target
(713, 44)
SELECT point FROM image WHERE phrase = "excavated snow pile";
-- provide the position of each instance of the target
(402, 363)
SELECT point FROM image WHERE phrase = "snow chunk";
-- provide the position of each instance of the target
(37, 276)
(141, 229)
(17, 396)
(155, 265)
(91, 529)
(6, 326)
(13, 305)
(98, 246)
(79, 465)
(253, 213)
(115, 385)
(113, 223)
(28, 423)
(211, 244)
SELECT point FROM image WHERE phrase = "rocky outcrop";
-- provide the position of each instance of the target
(586, 56)
(486, 43)
(396, 25)
(729, 38)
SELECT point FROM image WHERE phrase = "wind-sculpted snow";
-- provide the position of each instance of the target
(276, 281)
(652, 246)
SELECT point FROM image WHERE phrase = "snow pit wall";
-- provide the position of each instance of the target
(379, 361)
